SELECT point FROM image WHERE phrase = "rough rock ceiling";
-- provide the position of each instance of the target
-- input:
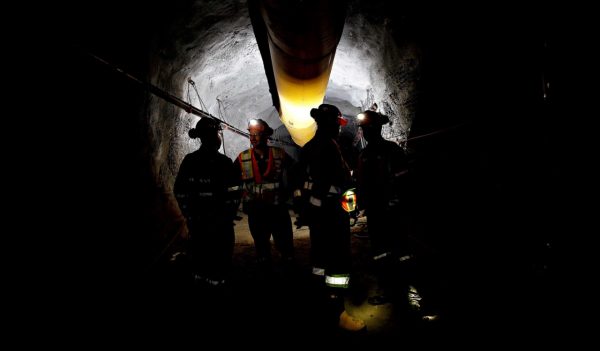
(214, 45)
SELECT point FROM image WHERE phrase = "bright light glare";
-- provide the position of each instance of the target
(297, 97)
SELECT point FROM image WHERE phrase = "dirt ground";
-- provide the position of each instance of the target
(284, 303)
(432, 301)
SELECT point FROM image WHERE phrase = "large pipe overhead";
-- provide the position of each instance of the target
(302, 36)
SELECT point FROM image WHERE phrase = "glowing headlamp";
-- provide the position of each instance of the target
(349, 200)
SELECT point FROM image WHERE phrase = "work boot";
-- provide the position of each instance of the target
(349, 323)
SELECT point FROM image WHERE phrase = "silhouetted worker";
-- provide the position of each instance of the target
(208, 196)
(262, 170)
(349, 150)
(381, 191)
(326, 177)
(350, 154)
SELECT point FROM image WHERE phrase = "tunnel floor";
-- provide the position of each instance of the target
(254, 305)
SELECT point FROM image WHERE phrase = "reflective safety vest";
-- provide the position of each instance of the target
(265, 186)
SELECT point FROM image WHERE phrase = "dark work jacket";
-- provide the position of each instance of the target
(321, 162)
(381, 174)
(206, 188)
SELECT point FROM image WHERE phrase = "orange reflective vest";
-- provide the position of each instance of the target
(265, 186)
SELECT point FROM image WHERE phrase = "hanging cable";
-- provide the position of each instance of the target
(169, 97)
(189, 99)
(220, 115)
(220, 109)
(439, 131)
(177, 101)
(193, 84)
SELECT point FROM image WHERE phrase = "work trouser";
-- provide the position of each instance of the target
(211, 250)
(392, 257)
(330, 242)
(330, 252)
(388, 231)
(266, 219)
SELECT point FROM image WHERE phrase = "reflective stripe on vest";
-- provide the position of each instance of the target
(318, 271)
(337, 280)
(276, 156)
(245, 160)
(209, 281)
(405, 258)
(401, 173)
(255, 186)
(380, 256)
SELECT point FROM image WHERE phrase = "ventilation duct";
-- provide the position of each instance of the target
(302, 38)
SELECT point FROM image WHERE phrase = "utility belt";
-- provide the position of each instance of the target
(334, 193)
(267, 192)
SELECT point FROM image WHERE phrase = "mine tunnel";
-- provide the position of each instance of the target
(472, 98)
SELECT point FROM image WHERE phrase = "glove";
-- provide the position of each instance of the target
(353, 218)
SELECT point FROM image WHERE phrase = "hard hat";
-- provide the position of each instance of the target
(205, 126)
(260, 124)
(372, 118)
(328, 113)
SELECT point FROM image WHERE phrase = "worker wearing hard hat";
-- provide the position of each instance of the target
(325, 177)
(262, 171)
(381, 192)
(207, 193)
